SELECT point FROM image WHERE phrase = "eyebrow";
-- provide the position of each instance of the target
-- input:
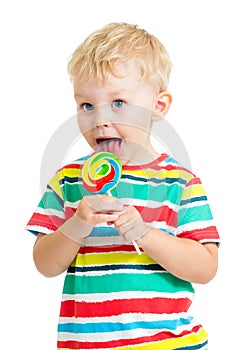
(79, 95)
(116, 93)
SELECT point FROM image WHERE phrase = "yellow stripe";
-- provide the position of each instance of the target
(54, 182)
(177, 174)
(197, 190)
(145, 173)
(160, 174)
(113, 258)
(170, 344)
(70, 172)
(56, 186)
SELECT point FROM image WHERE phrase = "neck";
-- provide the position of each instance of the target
(135, 154)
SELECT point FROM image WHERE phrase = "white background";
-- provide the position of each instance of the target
(37, 38)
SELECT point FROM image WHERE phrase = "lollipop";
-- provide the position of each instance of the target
(101, 173)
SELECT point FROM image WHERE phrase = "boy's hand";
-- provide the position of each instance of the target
(130, 224)
(91, 211)
(99, 208)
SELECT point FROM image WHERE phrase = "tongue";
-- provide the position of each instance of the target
(112, 146)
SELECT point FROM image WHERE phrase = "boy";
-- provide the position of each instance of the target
(114, 298)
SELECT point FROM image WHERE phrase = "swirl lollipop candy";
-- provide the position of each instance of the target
(101, 173)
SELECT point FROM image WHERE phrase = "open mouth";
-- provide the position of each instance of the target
(109, 144)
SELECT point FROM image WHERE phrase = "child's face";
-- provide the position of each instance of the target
(116, 116)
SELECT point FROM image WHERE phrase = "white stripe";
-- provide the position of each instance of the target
(194, 204)
(115, 272)
(196, 225)
(40, 229)
(106, 336)
(149, 180)
(101, 297)
(124, 318)
(211, 240)
(104, 241)
(162, 225)
(50, 211)
(148, 203)
(72, 205)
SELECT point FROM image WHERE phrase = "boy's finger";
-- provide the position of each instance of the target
(109, 218)
(104, 203)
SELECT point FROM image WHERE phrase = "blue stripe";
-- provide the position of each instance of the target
(169, 232)
(71, 180)
(194, 347)
(150, 267)
(193, 199)
(82, 158)
(106, 327)
(34, 232)
(169, 180)
(103, 231)
(170, 160)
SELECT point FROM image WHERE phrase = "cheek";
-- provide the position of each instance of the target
(126, 131)
(137, 117)
(85, 125)
(89, 139)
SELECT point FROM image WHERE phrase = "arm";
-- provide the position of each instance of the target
(53, 253)
(184, 258)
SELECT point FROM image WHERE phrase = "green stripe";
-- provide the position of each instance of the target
(158, 282)
(146, 192)
(194, 214)
(49, 200)
(74, 192)
(160, 193)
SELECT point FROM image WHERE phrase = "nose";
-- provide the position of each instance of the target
(102, 119)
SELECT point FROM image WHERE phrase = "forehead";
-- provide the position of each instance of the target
(129, 79)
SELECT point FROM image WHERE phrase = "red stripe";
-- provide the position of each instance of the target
(51, 222)
(69, 211)
(177, 167)
(163, 213)
(106, 249)
(71, 166)
(198, 235)
(194, 181)
(124, 342)
(72, 308)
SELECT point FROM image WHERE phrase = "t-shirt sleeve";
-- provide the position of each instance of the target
(49, 214)
(195, 220)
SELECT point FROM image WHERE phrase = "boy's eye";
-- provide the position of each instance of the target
(87, 106)
(118, 104)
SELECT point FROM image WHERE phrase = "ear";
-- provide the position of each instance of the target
(162, 105)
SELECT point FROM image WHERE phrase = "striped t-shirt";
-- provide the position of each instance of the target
(114, 298)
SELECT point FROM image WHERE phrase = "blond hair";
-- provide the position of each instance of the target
(101, 52)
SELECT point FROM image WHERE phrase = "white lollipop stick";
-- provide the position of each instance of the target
(134, 243)
(137, 248)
